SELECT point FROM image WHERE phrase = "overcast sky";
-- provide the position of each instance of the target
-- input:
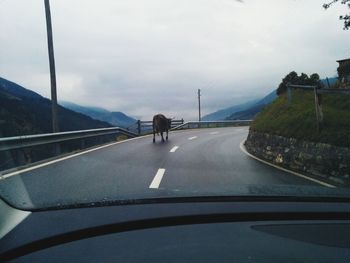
(148, 56)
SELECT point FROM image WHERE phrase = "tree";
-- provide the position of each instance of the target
(346, 17)
(303, 79)
(290, 78)
(315, 78)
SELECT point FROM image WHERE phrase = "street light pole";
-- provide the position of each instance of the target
(199, 105)
(52, 67)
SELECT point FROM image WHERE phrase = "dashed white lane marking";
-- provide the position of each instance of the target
(241, 145)
(174, 149)
(212, 133)
(157, 178)
(192, 138)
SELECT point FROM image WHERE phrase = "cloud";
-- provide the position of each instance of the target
(144, 57)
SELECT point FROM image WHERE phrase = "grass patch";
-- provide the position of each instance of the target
(298, 120)
(121, 137)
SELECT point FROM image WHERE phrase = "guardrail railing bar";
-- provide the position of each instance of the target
(321, 90)
(11, 143)
(63, 133)
(208, 122)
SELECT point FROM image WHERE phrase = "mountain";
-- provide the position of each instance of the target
(23, 111)
(248, 114)
(114, 118)
(253, 110)
(249, 109)
(242, 111)
(331, 81)
(224, 113)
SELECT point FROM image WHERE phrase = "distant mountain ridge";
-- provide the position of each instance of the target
(245, 110)
(331, 81)
(114, 118)
(16, 90)
(252, 111)
(23, 111)
(248, 114)
(224, 113)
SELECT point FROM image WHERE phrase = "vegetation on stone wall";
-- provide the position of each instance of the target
(298, 120)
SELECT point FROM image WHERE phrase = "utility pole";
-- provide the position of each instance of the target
(199, 105)
(52, 67)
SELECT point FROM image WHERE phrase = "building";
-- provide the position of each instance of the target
(344, 71)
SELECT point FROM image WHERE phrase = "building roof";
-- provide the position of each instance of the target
(343, 60)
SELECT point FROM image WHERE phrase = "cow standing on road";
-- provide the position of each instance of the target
(161, 124)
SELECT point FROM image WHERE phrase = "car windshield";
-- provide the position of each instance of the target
(104, 102)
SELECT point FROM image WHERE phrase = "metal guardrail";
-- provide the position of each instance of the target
(320, 90)
(145, 127)
(17, 142)
(211, 124)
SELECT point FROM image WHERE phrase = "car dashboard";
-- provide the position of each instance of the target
(188, 230)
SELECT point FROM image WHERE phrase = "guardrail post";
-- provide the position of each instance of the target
(318, 109)
(319, 98)
(139, 127)
(82, 144)
(289, 94)
(56, 149)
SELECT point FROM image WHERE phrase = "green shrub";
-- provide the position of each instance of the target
(298, 120)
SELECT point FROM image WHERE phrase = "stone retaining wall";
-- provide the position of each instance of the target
(319, 160)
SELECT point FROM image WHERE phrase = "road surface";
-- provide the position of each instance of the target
(203, 161)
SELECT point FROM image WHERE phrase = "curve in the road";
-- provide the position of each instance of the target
(210, 162)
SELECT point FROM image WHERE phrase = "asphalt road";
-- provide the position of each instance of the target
(190, 162)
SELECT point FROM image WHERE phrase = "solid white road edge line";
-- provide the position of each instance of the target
(192, 138)
(66, 158)
(241, 145)
(212, 133)
(174, 149)
(157, 178)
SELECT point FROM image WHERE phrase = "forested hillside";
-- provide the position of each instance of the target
(25, 112)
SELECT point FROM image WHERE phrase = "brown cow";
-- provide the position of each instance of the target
(161, 124)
